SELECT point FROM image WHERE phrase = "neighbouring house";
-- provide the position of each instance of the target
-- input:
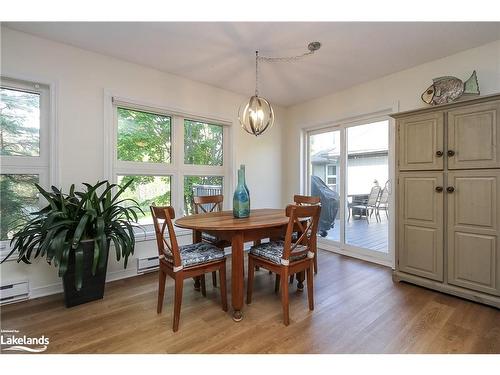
(367, 158)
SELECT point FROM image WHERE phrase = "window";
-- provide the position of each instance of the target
(170, 157)
(24, 152)
(331, 176)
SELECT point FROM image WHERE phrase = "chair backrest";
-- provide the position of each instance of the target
(162, 220)
(207, 203)
(302, 200)
(373, 197)
(304, 220)
(384, 196)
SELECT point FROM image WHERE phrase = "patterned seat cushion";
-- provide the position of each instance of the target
(197, 253)
(273, 251)
(209, 237)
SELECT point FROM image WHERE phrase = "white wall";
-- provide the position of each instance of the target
(404, 87)
(81, 78)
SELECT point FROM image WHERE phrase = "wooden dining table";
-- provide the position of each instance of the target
(262, 223)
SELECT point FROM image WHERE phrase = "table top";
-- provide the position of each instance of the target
(224, 220)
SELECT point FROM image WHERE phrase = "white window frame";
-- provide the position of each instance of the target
(387, 259)
(176, 169)
(43, 165)
(327, 175)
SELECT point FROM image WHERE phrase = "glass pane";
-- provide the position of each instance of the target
(367, 177)
(325, 158)
(18, 197)
(199, 186)
(147, 190)
(20, 123)
(144, 137)
(202, 143)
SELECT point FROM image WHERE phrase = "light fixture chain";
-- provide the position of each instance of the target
(256, 73)
(285, 59)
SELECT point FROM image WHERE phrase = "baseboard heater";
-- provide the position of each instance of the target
(14, 292)
(147, 264)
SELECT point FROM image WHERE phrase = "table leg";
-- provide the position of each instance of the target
(196, 239)
(237, 282)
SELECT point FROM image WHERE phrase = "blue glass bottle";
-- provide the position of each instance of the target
(242, 167)
(241, 199)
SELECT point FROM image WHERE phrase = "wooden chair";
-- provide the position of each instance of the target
(182, 262)
(206, 204)
(306, 200)
(302, 200)
(289, 257)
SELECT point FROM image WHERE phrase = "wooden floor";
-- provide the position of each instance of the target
(358, 310)
(373, 235)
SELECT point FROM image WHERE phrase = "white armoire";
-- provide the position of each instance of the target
(448, 198)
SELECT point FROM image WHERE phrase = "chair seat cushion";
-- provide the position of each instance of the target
(273, 251)
(197, 253)
(209, 238)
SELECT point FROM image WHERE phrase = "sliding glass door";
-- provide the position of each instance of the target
(348, 167)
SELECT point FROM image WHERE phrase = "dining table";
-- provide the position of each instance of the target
(261, 224)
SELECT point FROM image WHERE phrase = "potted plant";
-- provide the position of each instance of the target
(74, 231)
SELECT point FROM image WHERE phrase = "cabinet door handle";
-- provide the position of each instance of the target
(439, 153)
(451, 153)
(439, 189)
(450, 189)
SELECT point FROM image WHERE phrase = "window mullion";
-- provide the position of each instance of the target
(178, 162)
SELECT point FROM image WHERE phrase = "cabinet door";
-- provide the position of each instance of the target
(473, 137)
(421, 224)
(421, 142)
(473, 230)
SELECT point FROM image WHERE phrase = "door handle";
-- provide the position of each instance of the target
(451, 153)
(439, 189)
(439, 153)
(450, 189)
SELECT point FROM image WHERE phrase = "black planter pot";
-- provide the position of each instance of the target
(92, 285)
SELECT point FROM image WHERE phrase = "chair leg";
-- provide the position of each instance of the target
(179, 281)
(257, 243)
(291, 277)
(277, 283)
(223, 289)
(214, 279)
(315, 261)
(251, 273)
(203, 286)
(284, 297)
(162, 279)
(310, 287)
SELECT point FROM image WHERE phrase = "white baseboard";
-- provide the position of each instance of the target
(367, 258)
(50, 289)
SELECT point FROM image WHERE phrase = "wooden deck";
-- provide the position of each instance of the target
(371, 235)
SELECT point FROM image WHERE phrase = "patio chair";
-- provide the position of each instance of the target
(383, 202)
(370, 206)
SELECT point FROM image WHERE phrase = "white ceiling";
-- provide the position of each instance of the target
(222, 54)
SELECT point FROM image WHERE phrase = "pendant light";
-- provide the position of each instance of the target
(257, 115)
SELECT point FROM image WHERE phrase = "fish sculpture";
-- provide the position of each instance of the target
(447, 89)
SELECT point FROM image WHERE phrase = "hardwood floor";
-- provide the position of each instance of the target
(358, 309)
